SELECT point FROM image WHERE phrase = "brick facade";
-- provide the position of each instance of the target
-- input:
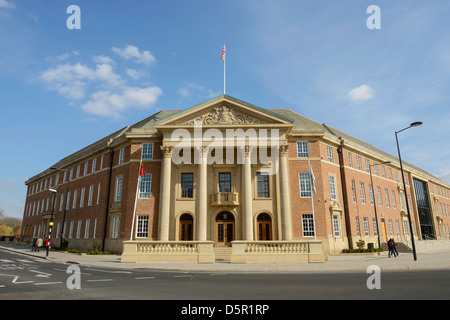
(335, 158)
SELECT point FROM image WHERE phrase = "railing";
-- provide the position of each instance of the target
(168, 251)
(166, 247)
(225, 199)
(277, 251)
(276, 247)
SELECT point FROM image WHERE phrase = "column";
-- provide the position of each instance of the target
(202, 194)
(164, 203)
(286, 215)
(247, 197)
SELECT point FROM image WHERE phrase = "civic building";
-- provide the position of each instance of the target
(228, 179)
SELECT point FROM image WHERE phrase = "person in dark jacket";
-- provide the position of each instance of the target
(392, 248)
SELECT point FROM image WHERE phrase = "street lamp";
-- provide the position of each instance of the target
(414, 124)
(51, 222)
(374, 204)
(65, 203)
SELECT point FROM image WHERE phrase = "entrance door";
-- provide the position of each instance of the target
(264, 224)
(224, 229)
(186, 227)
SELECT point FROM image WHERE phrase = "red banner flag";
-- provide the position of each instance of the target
(142, 172)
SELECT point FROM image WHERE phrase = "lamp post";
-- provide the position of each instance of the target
(374, 204)
(414, 124)
(65, 203)
(48, 244)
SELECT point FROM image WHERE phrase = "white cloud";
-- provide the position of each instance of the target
(111, 104)
(7, 4)
(135, 74)
(101, 90)
(361, 93)
(133, 53)
(187, 89)
(70, 80)
(103, 60)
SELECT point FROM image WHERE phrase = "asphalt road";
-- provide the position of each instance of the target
(27, 278)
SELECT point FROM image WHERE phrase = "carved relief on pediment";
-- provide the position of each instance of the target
(223, 114)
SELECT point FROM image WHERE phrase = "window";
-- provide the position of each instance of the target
(354, 190)
(145, 186)
(71, 230)
(350, 159)
(308, 225)
(357, 227)
(302, 149)
(68, 200)
(85, 168)
(363, 194)
(405, 228)
(329, 154)
(187, 185)
(83, 191)
(305, 184)
(118, 196)
(75, 196)
(91, 192)
(386, 197)
(332, 187)
(121, 156)
(147, 151)
(115, 229)
(262, 184)
(94, 164)
(394, 203)
(79, 229)
(86, 228)
(375, 227)
(358, 162)
(142, 226)
(380, 201)
(366, 226)
(98, 192)
(367, 166)
(371, 194)
(336, 227)
(225, 182)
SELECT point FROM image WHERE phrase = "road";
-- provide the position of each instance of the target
(27, 278)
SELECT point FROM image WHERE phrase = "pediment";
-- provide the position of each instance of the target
(224, 111)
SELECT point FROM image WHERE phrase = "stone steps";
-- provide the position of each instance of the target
(222, 253)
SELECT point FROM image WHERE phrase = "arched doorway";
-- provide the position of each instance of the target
(264, 225)
(224, 229)
(186, 227)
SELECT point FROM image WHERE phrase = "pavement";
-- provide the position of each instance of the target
(436, 260)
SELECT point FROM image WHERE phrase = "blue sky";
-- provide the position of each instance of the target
(63, 89)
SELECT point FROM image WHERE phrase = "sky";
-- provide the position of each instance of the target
(368, 72)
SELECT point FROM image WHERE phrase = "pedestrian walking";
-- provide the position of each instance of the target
(392, 249)
(39, 243)
(33, 248)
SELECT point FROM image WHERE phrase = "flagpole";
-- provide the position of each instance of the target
(135, 201)
(223, 57)
(312, 198)
(224, 81)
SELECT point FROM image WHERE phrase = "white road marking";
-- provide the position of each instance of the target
(41, 274)
(17, 277)
(45, 283)
(99, 280)
(143, 278)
